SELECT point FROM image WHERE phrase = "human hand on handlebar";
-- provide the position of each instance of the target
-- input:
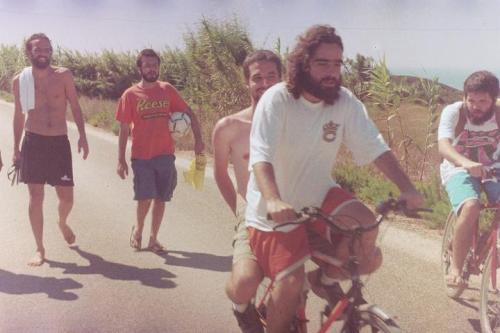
(475, 169)
(413, 199)
(280, 211)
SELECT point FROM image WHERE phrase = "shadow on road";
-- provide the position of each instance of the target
(151, 277)
(20, 284)
(204, 261)
(475, 325)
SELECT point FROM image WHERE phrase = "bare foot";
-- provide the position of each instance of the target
(156, 247)
(135, 239)
(38, 259)
(68, 234)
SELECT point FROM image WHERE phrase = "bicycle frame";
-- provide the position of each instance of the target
(300, 314)
(353, 297)
(353, 300)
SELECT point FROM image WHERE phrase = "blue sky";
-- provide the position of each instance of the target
(426, 36)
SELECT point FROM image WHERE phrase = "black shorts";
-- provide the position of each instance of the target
(46, 160)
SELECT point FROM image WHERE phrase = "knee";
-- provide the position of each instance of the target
(243, 282)
(470, 207)
(36, 198)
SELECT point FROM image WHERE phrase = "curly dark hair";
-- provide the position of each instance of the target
(28, 46)
(482, 81)
(306, 46)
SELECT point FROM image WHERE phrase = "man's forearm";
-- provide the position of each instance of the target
(227, 190)
(80, 123)
(18, 129)
(448, 152)
(264, 174)
(195, 125)
(390, 167)
(122, 144)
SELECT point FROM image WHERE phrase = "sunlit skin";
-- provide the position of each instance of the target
(325, 68)
(54, 89)
(480, 106)
(231, 141)
(150, 69)
(41, 53)
(263, 74)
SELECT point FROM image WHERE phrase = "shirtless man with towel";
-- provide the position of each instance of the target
(41, 94)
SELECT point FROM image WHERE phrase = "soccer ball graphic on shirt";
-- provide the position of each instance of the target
(179, 124)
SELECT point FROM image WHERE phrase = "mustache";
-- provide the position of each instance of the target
(329, 78)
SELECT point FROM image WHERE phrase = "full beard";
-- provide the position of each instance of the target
(480, 120)
(327, 94)
(40, 64)
(150, 77)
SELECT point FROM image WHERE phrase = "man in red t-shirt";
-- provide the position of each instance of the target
(147, 107)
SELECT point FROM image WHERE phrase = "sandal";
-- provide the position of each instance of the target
(135, 242)
(156, 247)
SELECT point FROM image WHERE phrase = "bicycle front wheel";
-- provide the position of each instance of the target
(489, 306)
(371, 319)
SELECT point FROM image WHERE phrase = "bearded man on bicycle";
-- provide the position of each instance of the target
(468, 139)
(297, 129)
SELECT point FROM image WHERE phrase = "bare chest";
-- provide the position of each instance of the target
(240, 148)
(49, 92)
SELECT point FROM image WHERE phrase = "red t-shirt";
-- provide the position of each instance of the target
(148, 111)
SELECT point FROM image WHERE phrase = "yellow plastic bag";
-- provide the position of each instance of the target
(195, 174)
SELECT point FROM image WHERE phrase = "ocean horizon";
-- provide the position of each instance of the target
(452, 77)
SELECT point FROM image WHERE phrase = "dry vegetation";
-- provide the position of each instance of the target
(207, 72)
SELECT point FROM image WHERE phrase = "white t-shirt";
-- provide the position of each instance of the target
(301, 140)
(478, 143)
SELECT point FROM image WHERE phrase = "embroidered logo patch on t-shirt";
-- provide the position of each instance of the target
(330, 131)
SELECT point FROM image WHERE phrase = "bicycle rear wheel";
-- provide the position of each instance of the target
(446, 252)
(371, 319)
(489, 306)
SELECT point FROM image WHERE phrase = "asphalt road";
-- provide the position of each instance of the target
(103, 286)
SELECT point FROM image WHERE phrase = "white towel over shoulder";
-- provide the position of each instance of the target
(27, 90)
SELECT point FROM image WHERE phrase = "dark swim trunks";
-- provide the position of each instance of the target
(155, 178)
(46, 160)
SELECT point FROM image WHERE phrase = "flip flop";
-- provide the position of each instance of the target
(135, 242)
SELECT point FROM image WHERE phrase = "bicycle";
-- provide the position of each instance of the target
(357, 314)
(482, 258)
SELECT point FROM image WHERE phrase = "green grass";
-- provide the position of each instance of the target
(371, 187)
(100, 113)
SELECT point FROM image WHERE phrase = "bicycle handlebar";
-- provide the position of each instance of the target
(308, 214)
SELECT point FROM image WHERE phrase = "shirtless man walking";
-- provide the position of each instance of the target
(262, 69)
(45, 154)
